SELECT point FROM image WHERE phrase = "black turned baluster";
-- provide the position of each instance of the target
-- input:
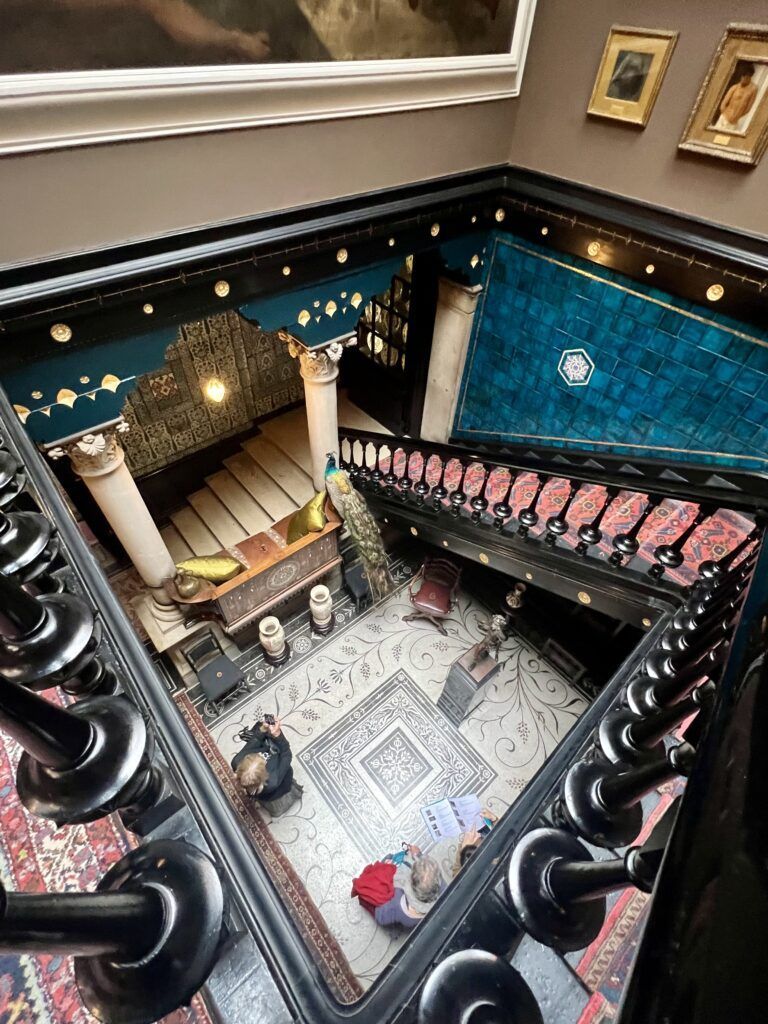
(693, 613)
(476, 987)
(704, 591)
(28, 545)
(670, 556)
(502, 510)
(718, 625)
(51, 640)
(557, 526)
(406, 483)
(143, 943)
(376, 473)
(390, 480)
(528, 517)
(629, 738)
(345, 464)
(440, 491)
(590, 533)
(661, 664)
(558, 890)
(626, 545)
(422, 488)
(363, 472)
(458, 497)
(715, 570)
(12, 478)
(82, 763)
(646, 695)
(602, 805)
(480, 502)
(675, 638)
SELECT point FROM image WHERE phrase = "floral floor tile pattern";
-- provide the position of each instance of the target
(371, 748)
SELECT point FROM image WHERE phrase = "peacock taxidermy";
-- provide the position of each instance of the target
(362, 528)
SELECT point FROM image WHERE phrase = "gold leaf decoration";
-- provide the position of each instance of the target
(110, 382)
(304, 317)
(66, 397)
(22, 412)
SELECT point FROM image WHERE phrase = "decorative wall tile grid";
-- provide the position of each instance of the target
(671, 378)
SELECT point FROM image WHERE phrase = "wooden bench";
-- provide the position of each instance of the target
(274, 571)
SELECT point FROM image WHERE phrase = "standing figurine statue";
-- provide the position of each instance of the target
(494, 635)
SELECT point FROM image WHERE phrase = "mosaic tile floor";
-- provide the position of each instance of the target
(371, 748)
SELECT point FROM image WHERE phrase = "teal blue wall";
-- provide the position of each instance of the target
(660, 376)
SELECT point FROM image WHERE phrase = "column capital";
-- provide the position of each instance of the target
(321, 364)
(461, 297)
(93, 454)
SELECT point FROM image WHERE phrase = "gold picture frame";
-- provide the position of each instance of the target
(729, 119)
(631, 71)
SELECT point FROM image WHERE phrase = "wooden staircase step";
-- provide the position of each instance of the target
(354, 418)
(251, 516)
(176, 544)
(290, 434)
(269, 495)
(283, 470)
(217, 517)
(194, 532)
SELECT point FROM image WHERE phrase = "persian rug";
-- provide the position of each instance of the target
(35, 856)
(605, 964)
(715, 537)
(324, 948)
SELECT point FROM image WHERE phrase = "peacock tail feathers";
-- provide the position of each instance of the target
(363, 530)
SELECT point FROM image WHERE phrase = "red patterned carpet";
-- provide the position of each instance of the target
(35, 857)
(714, 538)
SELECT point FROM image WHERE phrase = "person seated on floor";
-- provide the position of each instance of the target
(454, 852)
(416, 889)
(263, 768)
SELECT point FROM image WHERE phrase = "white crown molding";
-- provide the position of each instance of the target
(63, 110)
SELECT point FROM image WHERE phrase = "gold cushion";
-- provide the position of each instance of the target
(214, 568)
(309, 519)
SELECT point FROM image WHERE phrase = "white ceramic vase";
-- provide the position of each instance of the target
(272, 637)
(321, 607)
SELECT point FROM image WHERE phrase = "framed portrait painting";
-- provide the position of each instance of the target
(631, 71)
(730, 116)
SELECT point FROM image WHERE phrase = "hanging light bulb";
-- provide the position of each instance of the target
(215, 390)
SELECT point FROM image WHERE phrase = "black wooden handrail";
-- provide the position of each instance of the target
(740, 490)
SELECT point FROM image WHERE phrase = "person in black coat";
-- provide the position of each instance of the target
(263, 768)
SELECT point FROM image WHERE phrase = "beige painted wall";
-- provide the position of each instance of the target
(551, 132)
(82, 199)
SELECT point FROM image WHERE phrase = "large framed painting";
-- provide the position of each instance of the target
(87, 71)
(631, 71)
(730, 117)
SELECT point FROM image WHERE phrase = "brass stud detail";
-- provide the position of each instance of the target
(584, 597)
(445, 543)
(500, 215)
(529, 575)
(148, 308)
(434, 230)
(414, 531)
(222, 289)
(37, 394)
(650, 268)
(715, 292)
(647, 623)
(61, 333)
(545, 231)
(85, 380)
(593, 248)
(391, 242)
(342, 256)
(286, 271)
(474, 220)
(484, 558)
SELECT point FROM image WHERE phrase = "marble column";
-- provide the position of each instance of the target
(454, 318)
(320, 371)
(100, 462)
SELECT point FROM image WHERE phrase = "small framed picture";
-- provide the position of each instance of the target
(730, 116)
(631, 71)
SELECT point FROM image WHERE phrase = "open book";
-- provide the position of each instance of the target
(452, 816)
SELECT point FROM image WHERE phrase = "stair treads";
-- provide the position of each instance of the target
(217, 517)
(176, 544)
(354, 418)
(270, 496)
(283, 470)
(290, 434)
(195, 532)
(238, 501)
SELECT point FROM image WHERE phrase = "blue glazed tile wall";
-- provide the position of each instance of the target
(651, 374)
